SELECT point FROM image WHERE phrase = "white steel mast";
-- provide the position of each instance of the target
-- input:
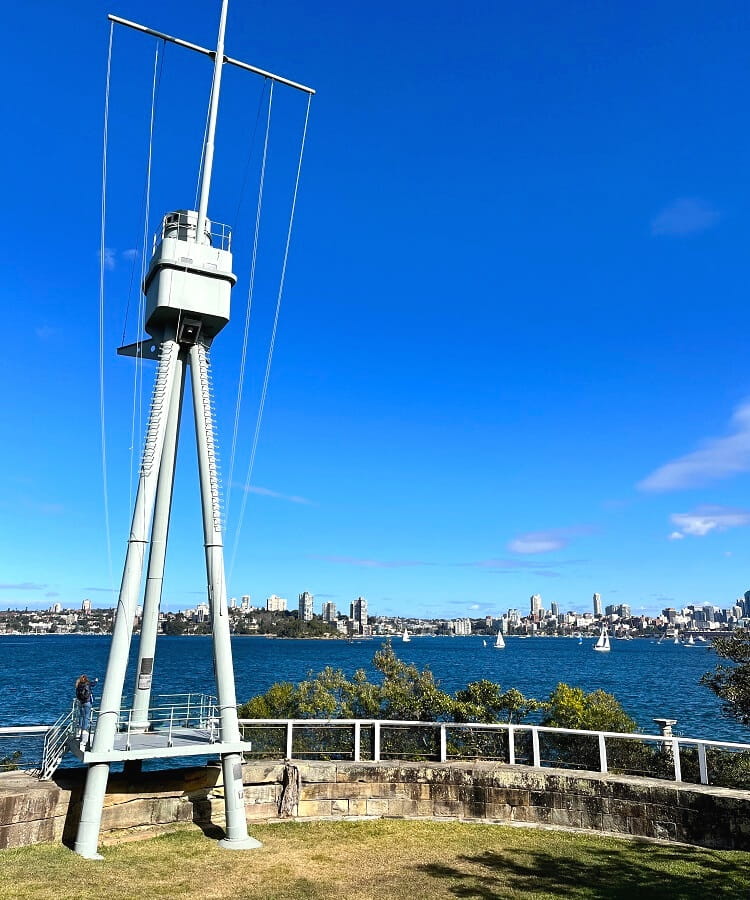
(193, 263)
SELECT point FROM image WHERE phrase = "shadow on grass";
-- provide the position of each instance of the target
(640, 870)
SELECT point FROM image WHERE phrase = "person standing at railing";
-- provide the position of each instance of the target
(84, 697)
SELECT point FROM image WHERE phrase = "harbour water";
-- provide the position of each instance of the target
(649, 679)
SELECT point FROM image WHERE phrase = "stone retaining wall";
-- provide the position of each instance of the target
(36, 812)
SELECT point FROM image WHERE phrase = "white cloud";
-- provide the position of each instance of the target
(675, 536)
(717, 458)
(130, 254)
(688, 215)
(267, 492)
(705, 519)
(546, 541)
(110, 258)
(537, 542)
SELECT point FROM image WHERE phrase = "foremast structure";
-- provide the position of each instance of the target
(187, 288)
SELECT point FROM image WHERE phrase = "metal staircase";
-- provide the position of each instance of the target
(56, 742)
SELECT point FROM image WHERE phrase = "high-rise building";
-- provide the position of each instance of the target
(86, 607)
(275, 604)
(329, 611)
(305, 606)
(462, 626)
(597, 604)
(233, 603)
(625, 612)
(536, 604)
(554, 608)
(202, 613)
(358, 615)
(245, 603)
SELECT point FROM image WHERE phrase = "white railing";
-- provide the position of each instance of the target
(669, 749)
(174, 712)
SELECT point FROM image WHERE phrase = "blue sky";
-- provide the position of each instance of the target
(512, 348)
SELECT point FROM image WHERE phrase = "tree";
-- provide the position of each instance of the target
(572, 707)
(404, 692)
(484, 701)
(732, 683)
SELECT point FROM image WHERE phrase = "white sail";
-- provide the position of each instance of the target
(602, 643)
(676, 637)
(499, 641)
(690, 641)
(405, 637)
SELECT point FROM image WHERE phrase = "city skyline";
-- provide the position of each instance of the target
(510, 356)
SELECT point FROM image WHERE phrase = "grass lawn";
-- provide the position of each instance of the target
(387, 858)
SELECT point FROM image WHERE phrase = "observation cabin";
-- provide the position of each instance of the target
(189, 277)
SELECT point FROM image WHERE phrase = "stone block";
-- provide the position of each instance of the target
(616, 824)
(314, 772)
(499, 812)
(376, 807)
(261, 812)
(565, 817)
(358, 807)
(313, 808)
(323, 790)
(340, 807)
(264, 793)
(261, 773)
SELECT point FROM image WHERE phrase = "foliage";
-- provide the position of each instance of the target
(732, 683)
(572, 707)
(484, 701)
(403, 692)
(8, 763)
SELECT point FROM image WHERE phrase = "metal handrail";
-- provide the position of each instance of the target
(193, 711)
(671, 744)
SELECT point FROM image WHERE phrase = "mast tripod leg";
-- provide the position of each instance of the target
(231, 763)
(87, 837)
(157, 553)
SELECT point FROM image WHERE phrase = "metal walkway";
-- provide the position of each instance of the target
(182, 725)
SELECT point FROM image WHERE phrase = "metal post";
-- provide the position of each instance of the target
(208, 158)
(109, 707)
(289, 740)
(535, 747)
(376, 743)
(443, 744)
(357, 741)
(702, 763)
(234, 793)
(677, 765)
(511, 745)
(159, 535)
(602, 754)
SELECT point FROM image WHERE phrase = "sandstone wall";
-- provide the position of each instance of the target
(35, 812)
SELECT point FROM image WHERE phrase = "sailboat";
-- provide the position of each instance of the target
(499, 641)
(602, 645)
(677, 638)
(405, 636)
(484, 643)
(690, 642)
